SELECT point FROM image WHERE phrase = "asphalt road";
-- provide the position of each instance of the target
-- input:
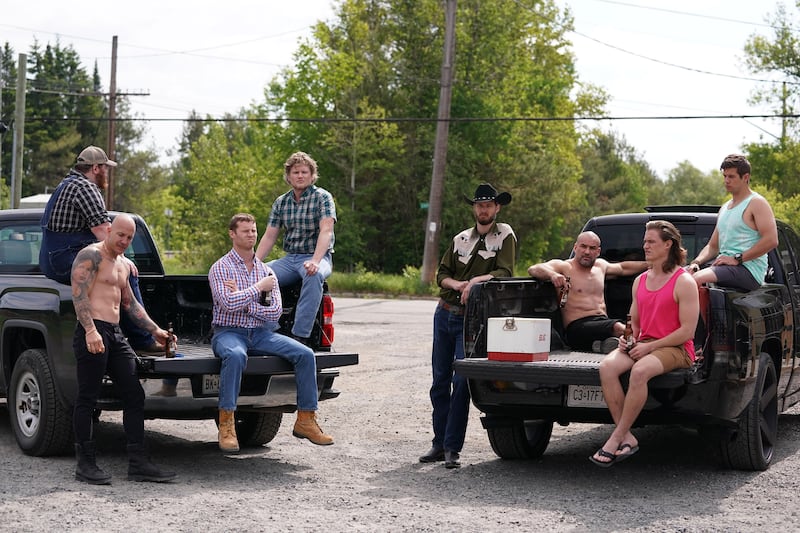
(370, 479)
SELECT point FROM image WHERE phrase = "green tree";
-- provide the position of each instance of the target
(59, 87)
(616, 178)
(777, 55)
(687, 185)
(382, 59)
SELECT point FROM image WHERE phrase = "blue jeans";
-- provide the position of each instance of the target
(232, 344)
(289, 270)
(449, 391)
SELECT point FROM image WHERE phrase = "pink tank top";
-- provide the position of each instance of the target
(658, 311)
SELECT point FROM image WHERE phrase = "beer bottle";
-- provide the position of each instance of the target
(564, 292)
(629, 332)
(170, 346)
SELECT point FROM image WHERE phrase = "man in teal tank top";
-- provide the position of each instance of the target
(745, 232)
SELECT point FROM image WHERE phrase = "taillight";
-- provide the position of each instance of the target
(327, 321)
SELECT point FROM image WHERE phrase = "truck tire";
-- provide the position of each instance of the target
(525, 439)
(41, 424)
(255, 428)
(750, 446)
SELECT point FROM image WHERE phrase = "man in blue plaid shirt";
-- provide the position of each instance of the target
(242, 324)
(308, 214)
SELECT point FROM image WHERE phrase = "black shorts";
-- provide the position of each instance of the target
(581, 333)
(736, 277)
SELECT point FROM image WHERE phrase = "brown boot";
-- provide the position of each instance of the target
(306, 427)
(228, 442)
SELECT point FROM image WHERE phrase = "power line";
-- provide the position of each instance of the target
(688, 14)
(648, 58)
(366, 120)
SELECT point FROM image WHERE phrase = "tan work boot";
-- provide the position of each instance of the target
(228, 442)
(306, 427)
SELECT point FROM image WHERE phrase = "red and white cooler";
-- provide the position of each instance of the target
(518, 339)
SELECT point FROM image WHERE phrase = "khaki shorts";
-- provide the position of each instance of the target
(671, 357)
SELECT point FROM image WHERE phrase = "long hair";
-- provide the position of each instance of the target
(668, 232)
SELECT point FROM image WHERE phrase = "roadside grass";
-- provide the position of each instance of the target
(360, 281)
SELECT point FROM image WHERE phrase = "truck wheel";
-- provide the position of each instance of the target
(525, 439)
(41, 424)
(750, 446)
(254, 428)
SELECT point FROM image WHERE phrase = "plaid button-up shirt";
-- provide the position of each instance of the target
(240, 308)
(79, 207)
(301, 219)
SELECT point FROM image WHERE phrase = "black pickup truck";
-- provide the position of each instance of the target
(37, 365)
(746, 374)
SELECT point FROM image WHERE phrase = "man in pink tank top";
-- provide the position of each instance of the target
(664, 314)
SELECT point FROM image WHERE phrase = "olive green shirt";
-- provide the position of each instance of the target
(472, 254)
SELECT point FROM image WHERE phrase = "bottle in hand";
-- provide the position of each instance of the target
(629, 341)
(170, 346)
(265, 298)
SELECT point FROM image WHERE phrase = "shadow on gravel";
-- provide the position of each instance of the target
(673, 477)
(199, 464)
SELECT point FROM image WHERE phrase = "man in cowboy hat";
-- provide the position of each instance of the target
(477, 254)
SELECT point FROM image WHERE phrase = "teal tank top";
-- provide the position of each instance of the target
(736, 237)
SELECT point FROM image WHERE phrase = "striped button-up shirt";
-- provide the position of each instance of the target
(240, 308)
(301, 219)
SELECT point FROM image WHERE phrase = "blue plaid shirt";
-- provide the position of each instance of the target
(240, 308)
(301, 219)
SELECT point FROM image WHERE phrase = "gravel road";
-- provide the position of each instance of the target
(370, 479)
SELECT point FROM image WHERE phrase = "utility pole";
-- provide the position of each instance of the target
(19, 133)
(3, 128)
(112, 117)
(433, 226)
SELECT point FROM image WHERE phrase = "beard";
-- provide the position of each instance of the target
(587, 262)
(102, 181)
(486, 220)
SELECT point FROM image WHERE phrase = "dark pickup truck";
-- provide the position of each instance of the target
(37, 365)
(747, 372)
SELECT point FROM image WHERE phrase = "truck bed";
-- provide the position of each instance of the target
(562, 367)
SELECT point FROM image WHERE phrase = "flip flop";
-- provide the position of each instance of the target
(602, 453)
(631, 451)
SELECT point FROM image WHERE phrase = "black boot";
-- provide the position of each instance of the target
(87, 469)
(140, 468)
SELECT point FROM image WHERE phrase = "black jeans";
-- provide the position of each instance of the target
(118, 362)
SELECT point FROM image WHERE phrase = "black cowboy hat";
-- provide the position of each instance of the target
(486, 193)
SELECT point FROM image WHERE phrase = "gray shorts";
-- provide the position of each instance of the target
(735, 277)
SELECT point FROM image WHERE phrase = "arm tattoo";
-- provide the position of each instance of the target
(84, 273)
(136, 311)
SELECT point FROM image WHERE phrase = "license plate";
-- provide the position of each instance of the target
(585, 396)
(210, 384)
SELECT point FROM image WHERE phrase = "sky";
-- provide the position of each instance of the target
(655, 58)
